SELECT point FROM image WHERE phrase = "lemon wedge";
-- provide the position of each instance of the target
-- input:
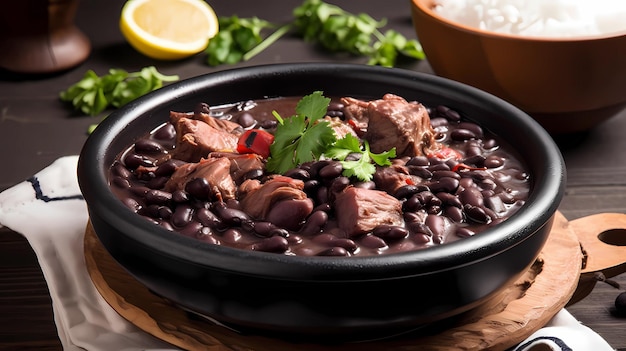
(168, 29)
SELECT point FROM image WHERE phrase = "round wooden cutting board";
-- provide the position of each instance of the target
(499, 324)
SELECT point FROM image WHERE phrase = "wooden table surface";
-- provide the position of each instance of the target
(36, 128)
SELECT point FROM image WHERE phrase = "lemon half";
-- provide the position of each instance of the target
(168, 29)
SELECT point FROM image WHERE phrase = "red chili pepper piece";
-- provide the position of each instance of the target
(255, 141)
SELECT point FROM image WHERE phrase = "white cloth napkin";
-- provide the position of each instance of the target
(49, 211)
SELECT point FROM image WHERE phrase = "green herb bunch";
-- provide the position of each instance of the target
(93, 94)
(317, 22)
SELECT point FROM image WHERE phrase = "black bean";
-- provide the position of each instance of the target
(449, 199)
(347, 244)
(471, 196)
(294, 239)
(165, 212)
(168, 167)
(179, 196)
(157, 183)
(133, 160)
(322, 195)
(490, 144)
(339, 184)
(159, 197)
(462, 135)
(412, 204)
(436, 224)
(407, 191)
(420, 171)
(476, 214)
(230, 216)
(314, 224)
(441, 174)
(263, 228)
(438, 167)
(298, 173)
(290, 214)
(330, 171)
(418, 227)
(165, 132)
(418, 161)
(473, 127)
(373, 242)
(246, 120)
(147, 146)
(268, 124)
(121, 171)
(231, 235)
(276, 244)
(438, 122)
(445, 184)
(140, 190)
(493, 161)
(336, 106)
(151, 211)
(390, 232)
(208, 218)
(454, 213)
(477, 160)
(413, 217)
(182, 216)
(198, 188)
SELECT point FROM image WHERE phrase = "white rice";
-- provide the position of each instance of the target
(539, 18)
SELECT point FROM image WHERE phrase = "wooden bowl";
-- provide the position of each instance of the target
(567, 84)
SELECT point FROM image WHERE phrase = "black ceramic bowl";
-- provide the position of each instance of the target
(322, 296)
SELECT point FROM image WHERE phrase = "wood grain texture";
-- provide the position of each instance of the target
(498, 324)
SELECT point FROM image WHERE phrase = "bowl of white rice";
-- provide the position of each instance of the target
(561, 61)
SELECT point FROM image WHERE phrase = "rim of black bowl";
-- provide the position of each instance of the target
(548, 187)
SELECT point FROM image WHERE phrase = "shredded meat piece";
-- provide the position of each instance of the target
(196, 138)
(360, 210)
(216, 170)
(258, 198)
(241, 164)
(394, 122)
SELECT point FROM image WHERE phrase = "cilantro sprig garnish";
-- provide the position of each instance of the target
(362, 168)
(303, 137)
(93, 94)
(307, 137)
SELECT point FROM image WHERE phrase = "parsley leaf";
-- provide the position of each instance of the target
(240, 39)
(303, 137)
(338, 30)
(363, 168)
(93, 94)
